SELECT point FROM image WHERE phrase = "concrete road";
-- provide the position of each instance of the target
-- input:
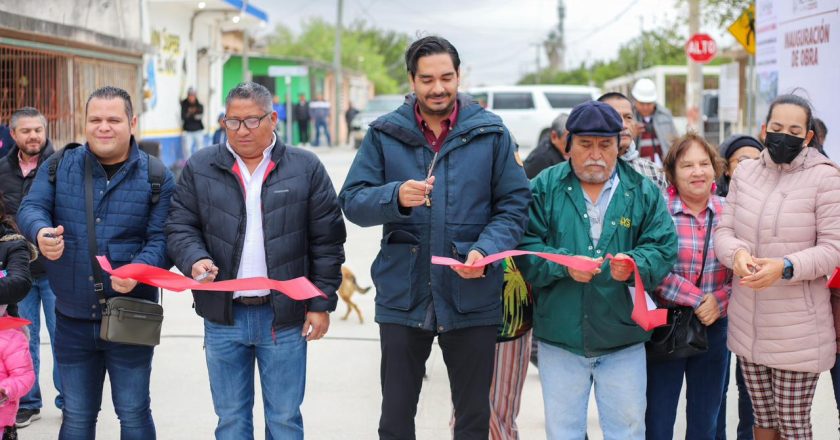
(342, 398)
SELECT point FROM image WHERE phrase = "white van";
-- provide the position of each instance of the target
(528, 110)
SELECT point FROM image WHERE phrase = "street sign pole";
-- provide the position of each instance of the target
(288, 110)
(743, 29)
(750, 95)
(694, 81)
(288, 72)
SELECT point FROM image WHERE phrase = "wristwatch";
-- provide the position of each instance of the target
(788, 272)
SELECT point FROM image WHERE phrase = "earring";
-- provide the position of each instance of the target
(714, 187)
(672, 190)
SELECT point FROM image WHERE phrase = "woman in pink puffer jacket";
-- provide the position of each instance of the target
(780, 234)
(16, 375)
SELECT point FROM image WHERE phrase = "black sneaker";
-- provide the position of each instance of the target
(26, 416)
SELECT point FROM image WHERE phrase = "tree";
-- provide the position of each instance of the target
(663, 46)
(720, 12)
(376, 53)
(651, 48)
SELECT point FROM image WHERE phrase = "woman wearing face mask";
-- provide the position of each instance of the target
(780, 234)
(735, 150)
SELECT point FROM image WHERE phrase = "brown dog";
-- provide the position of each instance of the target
(347, 289)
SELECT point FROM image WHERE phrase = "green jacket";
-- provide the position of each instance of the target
(593, 319)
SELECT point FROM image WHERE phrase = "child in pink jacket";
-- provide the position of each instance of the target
(16, 374)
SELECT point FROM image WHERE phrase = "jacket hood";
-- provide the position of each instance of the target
(807, 158)
(9, 235)
(402, 124)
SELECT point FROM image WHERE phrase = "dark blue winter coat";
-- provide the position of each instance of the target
(480, 201)
(129, 228)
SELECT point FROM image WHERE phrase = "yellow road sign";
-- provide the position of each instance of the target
(743, 29)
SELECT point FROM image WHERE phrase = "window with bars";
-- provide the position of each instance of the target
(58, 85)
(31, 78)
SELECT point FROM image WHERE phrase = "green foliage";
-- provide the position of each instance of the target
(651, 48)
(720, 12)
(376, 53)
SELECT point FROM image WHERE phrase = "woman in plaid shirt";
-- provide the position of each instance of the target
(691, 167)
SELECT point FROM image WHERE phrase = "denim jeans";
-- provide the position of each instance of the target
(191, 141)
(745, 409)
(704, 377)
(83, 359)
(30, 308)
(619, 379)
(281, 357)
(835, 380)
(321, 124)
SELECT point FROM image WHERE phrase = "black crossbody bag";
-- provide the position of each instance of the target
(685, 335)
(125, 320)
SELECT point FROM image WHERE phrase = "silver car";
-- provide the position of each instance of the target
(376, 107)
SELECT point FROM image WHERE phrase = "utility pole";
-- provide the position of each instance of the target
(694, 82)
(339, 109)
(246, 44)
(642, 46)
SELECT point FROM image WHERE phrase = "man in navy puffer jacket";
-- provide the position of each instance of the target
(129, 229)
(256, 208)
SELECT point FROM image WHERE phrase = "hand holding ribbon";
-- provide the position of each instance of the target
(298, 289)
(646, 319)
(565, 260)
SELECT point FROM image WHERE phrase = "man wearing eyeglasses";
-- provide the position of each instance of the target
(256, 208)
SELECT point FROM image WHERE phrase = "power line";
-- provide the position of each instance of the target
(606, 24)
(499, 60)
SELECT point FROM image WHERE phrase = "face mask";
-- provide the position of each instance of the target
(783, 148)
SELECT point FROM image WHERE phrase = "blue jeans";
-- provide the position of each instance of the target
(191, 141)
(835, 380)
(745, 409)
(30, 308)
(83, 359)
(704, 377)
(319, 124)
(281, 358)
(619, 379)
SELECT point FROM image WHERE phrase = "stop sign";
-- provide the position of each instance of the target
(701, 48)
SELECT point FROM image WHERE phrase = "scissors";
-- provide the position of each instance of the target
(428, 176)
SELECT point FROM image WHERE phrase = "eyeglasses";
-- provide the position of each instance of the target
(250, 123)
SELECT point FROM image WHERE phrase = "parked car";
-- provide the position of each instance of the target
(528, 110)
(711, 119)
(375, 108)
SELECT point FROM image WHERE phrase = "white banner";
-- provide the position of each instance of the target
(798, 52)
(729, 92)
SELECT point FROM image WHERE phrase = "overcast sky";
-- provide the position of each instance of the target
(496, 38)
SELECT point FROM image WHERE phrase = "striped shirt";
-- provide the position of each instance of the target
(679, 287)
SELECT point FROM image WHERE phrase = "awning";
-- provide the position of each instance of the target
(249, 9)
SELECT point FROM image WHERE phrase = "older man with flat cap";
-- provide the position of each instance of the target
(591, 206)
